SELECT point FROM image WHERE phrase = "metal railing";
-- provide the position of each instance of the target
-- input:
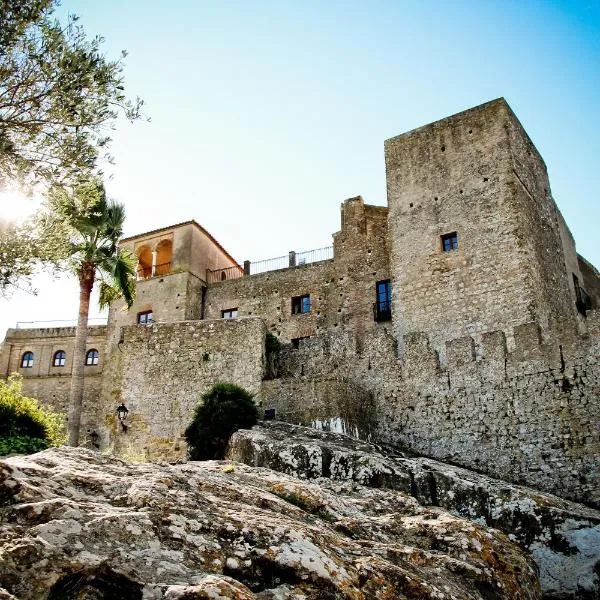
(234, 272)
(58, 323)
(293, 259)
(270, 264)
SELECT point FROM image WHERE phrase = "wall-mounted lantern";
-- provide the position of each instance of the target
(122, 413)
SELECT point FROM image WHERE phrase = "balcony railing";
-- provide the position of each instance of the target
(156, 271)
(234, 272)
(293, 259)
(57, 323)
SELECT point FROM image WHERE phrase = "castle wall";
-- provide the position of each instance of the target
(591, 280)
(49, 384)
(477, 174)
(171, 298)
(530, 416)
(342, 290)
(160, 372)
(544, 238)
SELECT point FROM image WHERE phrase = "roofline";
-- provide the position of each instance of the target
(192, 222)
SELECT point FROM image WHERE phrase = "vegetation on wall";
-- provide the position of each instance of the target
(224, 409)
(24, 426)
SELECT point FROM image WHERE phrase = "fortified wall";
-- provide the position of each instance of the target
(528, 416)
(459, 321)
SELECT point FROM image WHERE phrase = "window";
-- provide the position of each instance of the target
(145, 318)
(583, 302)
(296, 341)
(60, 358)
(229, 313)
(91, 358)
(383, 304)
(450, 241)
(300, 304)
(27, 360)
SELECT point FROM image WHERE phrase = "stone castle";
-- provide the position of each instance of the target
(459, 322)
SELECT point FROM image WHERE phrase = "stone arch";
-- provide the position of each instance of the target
(144, 255)
(164, 256)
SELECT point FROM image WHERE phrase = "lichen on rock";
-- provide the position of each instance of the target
(77, 524)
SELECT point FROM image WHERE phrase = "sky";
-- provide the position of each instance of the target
(265, 116)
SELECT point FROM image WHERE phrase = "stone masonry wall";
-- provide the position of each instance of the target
(477, 174)
(530, 416)
(172, 297)
(49, 384)
(160, 372)
(342, 290)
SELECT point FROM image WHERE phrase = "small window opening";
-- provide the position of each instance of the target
(145, 318)
(229, 313)
(450, 241)
(382, 309)
(301, 304)
(91, 357)
(296, 341)
(27, 360)
(583, 302)
(60, 358)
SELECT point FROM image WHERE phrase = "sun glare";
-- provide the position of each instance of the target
(17, 206)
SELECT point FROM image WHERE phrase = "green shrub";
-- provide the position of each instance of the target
(24, 426)
(225, 408)
(272, 343)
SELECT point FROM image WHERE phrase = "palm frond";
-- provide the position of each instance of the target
(118, 273)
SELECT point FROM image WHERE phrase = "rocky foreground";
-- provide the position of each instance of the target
(563, 537)
(79, 525)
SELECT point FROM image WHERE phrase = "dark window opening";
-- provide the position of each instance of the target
(229, 313)
(296, 341)
(27, 360)
(382, 309)
(91, 357)
(60, 358)
(450, 241)
(583, 301)
(145, 318)
(301, 304)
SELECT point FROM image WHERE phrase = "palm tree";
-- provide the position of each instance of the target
(96, 225)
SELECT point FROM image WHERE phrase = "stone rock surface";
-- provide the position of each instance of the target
(76, 524)
(563, 537)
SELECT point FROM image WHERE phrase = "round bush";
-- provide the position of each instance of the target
(24, 426)
(225, 408)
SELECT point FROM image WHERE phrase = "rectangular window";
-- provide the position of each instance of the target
(383, 304)
(583, 302)
(450, 241)
(301, 304)
(296, 341)
(145, 318)
(229, 313)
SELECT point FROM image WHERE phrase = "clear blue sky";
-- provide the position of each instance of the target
(267, 115)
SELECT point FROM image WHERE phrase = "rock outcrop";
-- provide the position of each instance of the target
(563, 537)
(76, 524)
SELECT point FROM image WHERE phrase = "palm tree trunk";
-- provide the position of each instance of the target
(86, 282)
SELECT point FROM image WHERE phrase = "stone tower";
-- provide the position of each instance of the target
(477, 242)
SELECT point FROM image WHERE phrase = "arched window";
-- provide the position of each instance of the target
(27, 360)
(164, 254)
(60, 357)
(144, 255)
(91, 358)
